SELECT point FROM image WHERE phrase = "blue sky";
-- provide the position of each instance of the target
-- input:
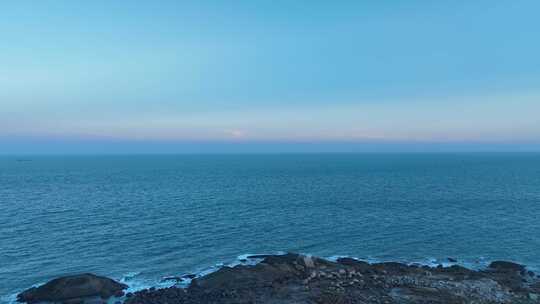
(122, 75)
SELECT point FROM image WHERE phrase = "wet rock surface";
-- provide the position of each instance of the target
(294, 278)
(73, 289)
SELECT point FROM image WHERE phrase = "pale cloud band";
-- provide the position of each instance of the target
(503, 118)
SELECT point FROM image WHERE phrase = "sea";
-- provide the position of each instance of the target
(141, 218)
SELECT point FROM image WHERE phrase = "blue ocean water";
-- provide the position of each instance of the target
(141, 218)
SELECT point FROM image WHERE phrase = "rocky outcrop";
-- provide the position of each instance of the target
(73, 289)
(294, 278)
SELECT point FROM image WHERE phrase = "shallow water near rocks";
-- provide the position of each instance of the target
(142, 218)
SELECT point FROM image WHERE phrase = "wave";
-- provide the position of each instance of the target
(477, 264)
(136, 280)
(12, 297)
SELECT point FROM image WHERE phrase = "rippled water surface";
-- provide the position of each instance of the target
(145, 217)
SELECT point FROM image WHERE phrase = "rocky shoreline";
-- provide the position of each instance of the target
(295, 278)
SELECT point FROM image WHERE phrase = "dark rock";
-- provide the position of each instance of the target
(293, 259)
(258, 256)
(172, 279)
(456, 269)
(73, 301)
(535, 287)
(508, 274)
(119, 293)
(71, 288)
(288, 258)
(189, 276)
(165, 295)
(295, 278)
(351, 262)
(105, 295)
(506, 266)
(452, 260)
(392, 267)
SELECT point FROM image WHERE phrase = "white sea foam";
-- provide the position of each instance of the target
(477, 264)
(252, 258)
(12, 298)
(137, 282)
(334, 258)
(9, 299)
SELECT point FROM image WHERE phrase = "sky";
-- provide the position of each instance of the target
(269, 76)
